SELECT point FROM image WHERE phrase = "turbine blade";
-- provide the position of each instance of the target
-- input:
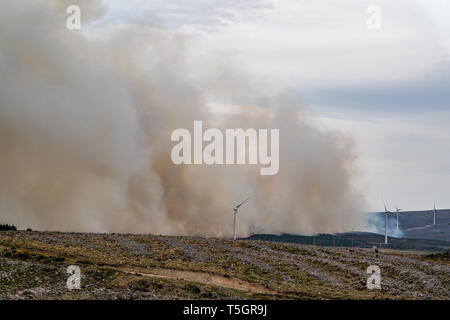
(240, 204)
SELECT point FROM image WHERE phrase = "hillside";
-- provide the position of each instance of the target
(358, 240)
(126, 266)
(419, 224)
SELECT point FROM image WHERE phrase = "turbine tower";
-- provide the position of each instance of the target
(386, 212)
(397, 210)
(434, 213)
(235, 209)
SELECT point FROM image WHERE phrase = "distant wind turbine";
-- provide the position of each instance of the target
(434, 213)
(397, 210)
(386, 212)
(235, 209)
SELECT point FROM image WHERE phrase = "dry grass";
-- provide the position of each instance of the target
(117, 266)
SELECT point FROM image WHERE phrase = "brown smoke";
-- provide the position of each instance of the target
(85, 125)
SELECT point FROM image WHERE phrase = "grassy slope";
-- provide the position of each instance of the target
(33, 264)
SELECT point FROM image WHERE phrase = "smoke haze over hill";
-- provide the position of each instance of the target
(85, 124)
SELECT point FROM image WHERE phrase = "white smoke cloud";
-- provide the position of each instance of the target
(376, 224)
(85, 124)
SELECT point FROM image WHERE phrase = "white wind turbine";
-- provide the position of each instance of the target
(397, 210)
(434, 213)
(235, 209)
(386, 212)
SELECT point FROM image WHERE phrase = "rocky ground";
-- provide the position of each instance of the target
(117, 266)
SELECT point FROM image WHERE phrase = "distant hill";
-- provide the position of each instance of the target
(419, 224)
(417, 229)
(358, 240)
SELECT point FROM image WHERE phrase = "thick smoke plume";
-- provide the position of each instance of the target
(85, 125)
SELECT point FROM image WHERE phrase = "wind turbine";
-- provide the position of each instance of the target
(434, 213)
(386, 212)
(235, 209)
(397, 210)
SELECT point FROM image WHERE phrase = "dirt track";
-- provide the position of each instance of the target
(201, 277)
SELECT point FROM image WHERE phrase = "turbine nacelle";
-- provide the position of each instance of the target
(434, 208)
(240, 204)
(386, 211)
